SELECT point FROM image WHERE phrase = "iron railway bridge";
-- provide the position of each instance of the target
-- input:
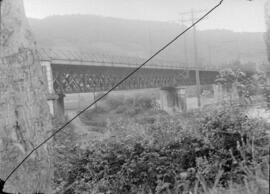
(70, 72)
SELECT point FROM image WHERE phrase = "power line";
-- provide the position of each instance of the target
(113, 88)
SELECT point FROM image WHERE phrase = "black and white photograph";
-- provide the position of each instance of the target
(134, 96)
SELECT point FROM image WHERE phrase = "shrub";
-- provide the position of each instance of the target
(121, 169)
(65, 151)
(235, 139)
(167, 154)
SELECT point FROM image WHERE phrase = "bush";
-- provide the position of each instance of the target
(138, 105)
(65, 151)
(121, 169)
(165, 154)
(235, 139)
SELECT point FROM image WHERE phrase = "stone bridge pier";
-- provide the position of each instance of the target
(173, 99)
(57, 105)
(56, 101)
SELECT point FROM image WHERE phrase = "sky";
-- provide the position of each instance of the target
(235, 15)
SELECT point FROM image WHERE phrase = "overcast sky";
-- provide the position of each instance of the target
(236, 15)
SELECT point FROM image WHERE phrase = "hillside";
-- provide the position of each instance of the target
(141, 38)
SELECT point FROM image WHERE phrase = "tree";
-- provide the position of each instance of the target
(246, 84)
(24, 113)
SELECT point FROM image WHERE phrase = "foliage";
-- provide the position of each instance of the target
(121, 169)
(246, 84)
(65, 150)
(167, 156)
(135, 106)
(235, 139)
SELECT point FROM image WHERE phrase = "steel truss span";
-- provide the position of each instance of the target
(69, 79)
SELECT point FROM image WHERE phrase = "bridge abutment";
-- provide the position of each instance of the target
(57, 106)
(56, 101)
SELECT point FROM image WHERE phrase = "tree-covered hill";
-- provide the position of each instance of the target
(141, 38)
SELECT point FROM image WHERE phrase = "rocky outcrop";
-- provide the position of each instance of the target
(24, 113)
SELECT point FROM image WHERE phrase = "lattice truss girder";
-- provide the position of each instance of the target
(81, 79)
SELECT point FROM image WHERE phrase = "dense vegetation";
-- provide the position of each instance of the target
(145, 150)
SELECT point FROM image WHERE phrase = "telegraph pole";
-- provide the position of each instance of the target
(196, 60)
(198, 81)
(185, 43)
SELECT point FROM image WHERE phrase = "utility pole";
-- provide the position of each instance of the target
(198, 81)
(196, 60)
(185, 43)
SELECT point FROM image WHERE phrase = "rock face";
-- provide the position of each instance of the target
(24, 113)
